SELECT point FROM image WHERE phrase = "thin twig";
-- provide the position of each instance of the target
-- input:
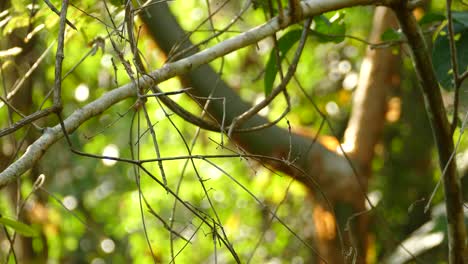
(454, 62)
(280, 88)
(55, 10)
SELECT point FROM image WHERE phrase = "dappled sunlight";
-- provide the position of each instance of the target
(232, 132)
(110, 151)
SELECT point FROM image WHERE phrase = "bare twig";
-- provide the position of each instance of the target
(280, 88)
(20, 82)
(454, 61)
(55, 10)
(252, 36)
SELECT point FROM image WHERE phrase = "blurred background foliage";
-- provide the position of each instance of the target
(90, 210)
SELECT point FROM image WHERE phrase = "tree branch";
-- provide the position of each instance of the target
(326, 163)
(441, 131)
(332, 170)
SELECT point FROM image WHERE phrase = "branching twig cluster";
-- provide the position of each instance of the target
(144, 85)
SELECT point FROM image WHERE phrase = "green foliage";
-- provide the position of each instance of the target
(330, 29)
(324, 29)
(431, 18)
(441, 56)
(19, 227)
(391, 35)
(110, 198)
(285, 43)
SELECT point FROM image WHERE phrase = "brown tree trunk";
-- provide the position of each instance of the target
(379, 75)
(13, 69)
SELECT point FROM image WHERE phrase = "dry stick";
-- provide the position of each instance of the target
(259, 159)
(136, 172)
(20, 82)
(27, 120)
(57, 105)
(203, 218)
(54, 9)
(52, 135)
(59, 57)
(96, 44)
(463, 76)
(440, 128)
(142, 98)
(216, 127)
(10, 108)
(11, 240)
(155, 144)
(186, 244)
(270, 222)
(197, 173)
(176, 55)
(145, 113)
(163, 222)
(192, 146)
(140, 69)
(4, 88)
(140, 90)
(179, 184)
(139, 66)
(20, 206)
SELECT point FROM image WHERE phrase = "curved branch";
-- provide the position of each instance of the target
(332, 170)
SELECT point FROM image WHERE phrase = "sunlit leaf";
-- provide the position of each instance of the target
(391, 35)
(285, 43)
(19, 227)
(327, 30)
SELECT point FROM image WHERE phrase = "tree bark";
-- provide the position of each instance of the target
(458, 251)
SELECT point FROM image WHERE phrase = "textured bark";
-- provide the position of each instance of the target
(441, 129)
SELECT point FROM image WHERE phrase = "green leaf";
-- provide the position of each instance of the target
(285, 43)
(19, 227)
(461, 17)
(330, 30)
(391, 35)
(430, 18)
(259, 3)
(117, 3)
(441, 54)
